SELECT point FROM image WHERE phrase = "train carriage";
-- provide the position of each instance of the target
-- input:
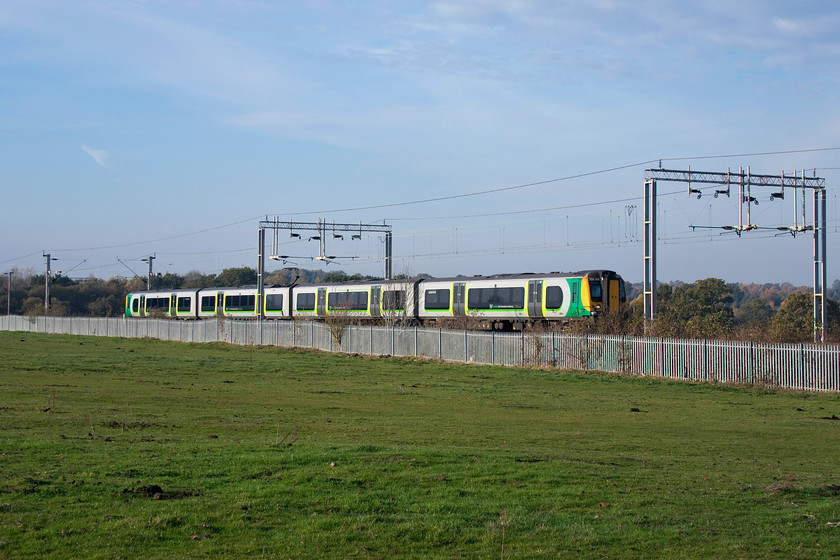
(509, 301)
(503, 302)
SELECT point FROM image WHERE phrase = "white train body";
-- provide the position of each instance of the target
(499, 302)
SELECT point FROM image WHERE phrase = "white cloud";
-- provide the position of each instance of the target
(98, 156)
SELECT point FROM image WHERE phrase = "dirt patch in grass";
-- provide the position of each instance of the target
(157, 493)
(829, 490)
(133, 425)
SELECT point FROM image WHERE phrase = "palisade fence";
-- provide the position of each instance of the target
(793, 366)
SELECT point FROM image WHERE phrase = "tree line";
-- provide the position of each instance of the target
(106, 298)
(713, 309)
(708, 308)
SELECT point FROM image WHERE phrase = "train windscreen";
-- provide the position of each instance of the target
(595, 290)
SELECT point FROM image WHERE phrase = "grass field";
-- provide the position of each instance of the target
(116, 448)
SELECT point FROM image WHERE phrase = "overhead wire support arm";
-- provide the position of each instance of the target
(318, 226)
(723, 178)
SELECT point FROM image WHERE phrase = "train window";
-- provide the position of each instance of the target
(393, 300)
(135, 306)
(347, 301)
(621, 293)
(595, 290)
(496, 298)
(157, 304)
(208, 304)
(240, 303)
(305, 302)
(553, 297)
(184, 304)
(437, 300)
(274, 302)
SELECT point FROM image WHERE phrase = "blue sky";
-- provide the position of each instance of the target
(168, 128)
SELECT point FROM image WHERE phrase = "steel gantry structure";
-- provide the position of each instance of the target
(321, 229)
(745, 181)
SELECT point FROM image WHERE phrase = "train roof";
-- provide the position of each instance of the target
(514, 276)
(522, 276)
(380, 282)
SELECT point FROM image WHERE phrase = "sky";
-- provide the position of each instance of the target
(493, 136)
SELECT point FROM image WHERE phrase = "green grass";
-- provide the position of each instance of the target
(269, 453)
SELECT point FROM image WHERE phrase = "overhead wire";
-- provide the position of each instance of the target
(579, 246)
(20, 258)
(472, 194)
(453, 197)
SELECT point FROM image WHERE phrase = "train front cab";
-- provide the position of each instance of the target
(180, 304)
(135, 305)
(603, 292)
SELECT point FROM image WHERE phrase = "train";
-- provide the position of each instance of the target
(499, 302)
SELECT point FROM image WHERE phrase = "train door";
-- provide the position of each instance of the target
(459, 299)
(321, 303)
(376, 301)
(173, 305)
(220, 304)
(142, 311)
(535, 298)
(613, 294)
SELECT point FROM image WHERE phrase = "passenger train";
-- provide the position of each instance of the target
(500, 302)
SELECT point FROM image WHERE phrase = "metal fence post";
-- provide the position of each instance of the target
(661, 357)
(493, 347)
(802, 363)
(466, 352)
